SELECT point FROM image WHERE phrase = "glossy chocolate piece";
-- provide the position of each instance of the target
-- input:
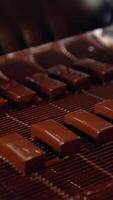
(57, 136)
(98, 70)
(105, 109)
(15, 91)
(72, 77)
(50, 87)
(91, 125)
(20, 152)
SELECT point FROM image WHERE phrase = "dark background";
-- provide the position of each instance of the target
(30, 23)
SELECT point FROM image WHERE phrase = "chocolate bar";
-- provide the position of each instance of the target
(48, 86)
(105, 109)
(98, 70)
(57, 136)
(91, 125)
(15, 91)
(72, 77)
(21, 153)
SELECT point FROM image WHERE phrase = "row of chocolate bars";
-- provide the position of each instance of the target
(27, 158)
(24, 74)
(50, 68)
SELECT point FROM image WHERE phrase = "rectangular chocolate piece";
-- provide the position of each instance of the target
(95, 127)
(97, 69)
(50, 87)
(15, 91)
(105, 109)
(25, 156)
(57, 136)
(68, 75)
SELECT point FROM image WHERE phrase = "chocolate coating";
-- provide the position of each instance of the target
(97, 69)
(25, 156)
(50, 87)
(105, 109)
(91, 125)
(15, 91)
(68, 75)
(57, 136)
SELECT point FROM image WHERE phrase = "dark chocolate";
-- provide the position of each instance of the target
(72, 77)
(105, 109)
(95, 127)
(50, 87)
(20, 152)
(15, 91)
(57, 136)
(97, 69)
